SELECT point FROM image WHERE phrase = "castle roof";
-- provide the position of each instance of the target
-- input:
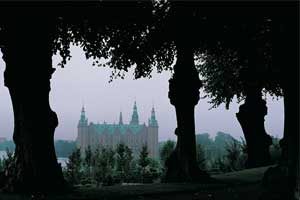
(133, 127)
(121, 128)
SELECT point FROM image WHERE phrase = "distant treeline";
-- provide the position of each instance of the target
(8, 144)
(213, 147)
(63, 148)
(216, 151)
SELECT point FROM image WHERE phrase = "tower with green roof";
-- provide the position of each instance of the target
(82, 137)
(135, 116)
(120, 119)
(152, 141)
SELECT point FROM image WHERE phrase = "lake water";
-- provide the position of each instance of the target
(61, 160)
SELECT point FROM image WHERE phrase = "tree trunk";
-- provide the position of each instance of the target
(251, 118)
(287, 57)
(290, 142)
(28, 58)
(284, 177)
(184, 95)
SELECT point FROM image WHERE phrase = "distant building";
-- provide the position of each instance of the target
(134, 135)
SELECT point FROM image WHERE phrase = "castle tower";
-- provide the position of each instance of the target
(120, 119)
(152, 141)
(152, 120)
(135, 116)
(82, 138)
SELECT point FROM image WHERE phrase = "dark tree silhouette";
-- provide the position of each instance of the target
(88, 160)
(74, 167)
(166, 150)
(240, 65)
(124, 158)
(286, 52)
(28, 81)
(201, 157)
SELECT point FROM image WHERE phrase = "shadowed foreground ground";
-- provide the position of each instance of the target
(237, 185)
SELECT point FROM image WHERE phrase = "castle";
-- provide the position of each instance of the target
(134, 134)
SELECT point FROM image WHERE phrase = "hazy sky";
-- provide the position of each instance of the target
(80, 82)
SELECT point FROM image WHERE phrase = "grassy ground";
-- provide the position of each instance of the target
(242, 185)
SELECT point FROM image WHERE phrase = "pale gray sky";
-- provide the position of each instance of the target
(81, 82)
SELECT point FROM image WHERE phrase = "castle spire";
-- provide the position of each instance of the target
(120, 119)
(83, 120)
(82, 115)
(152, 120)
(135, 116)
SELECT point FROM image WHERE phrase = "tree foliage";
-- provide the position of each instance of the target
(143, 160)
(88, 155)
(201, 157)
(238, 60)
(119, 42)
(148, 169)
(8, 160)
(275, 150)
(124, 158)
(234, 158)
(110, 166)
(1, 165)
(74, 167)
(166, 150)
(104, 165)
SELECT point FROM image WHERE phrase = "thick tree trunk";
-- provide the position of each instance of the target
(290, 142)
(28, 58)
(184, 95)
(251, 118)
(287, 57)
(284, 177)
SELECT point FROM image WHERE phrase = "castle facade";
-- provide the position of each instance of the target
(134, 134)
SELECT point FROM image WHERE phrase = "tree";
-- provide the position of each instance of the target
(1, 165)
(88, 155)
(74, 167)
(143, 162)
(234, 156)
(286, 60)
(104, 162)
(129, 158)
(201, 157)
(166, 150)
(154, 170)
(241, 65)
(121, 158)
(35, 168)
(275, 151)
(123, 161)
